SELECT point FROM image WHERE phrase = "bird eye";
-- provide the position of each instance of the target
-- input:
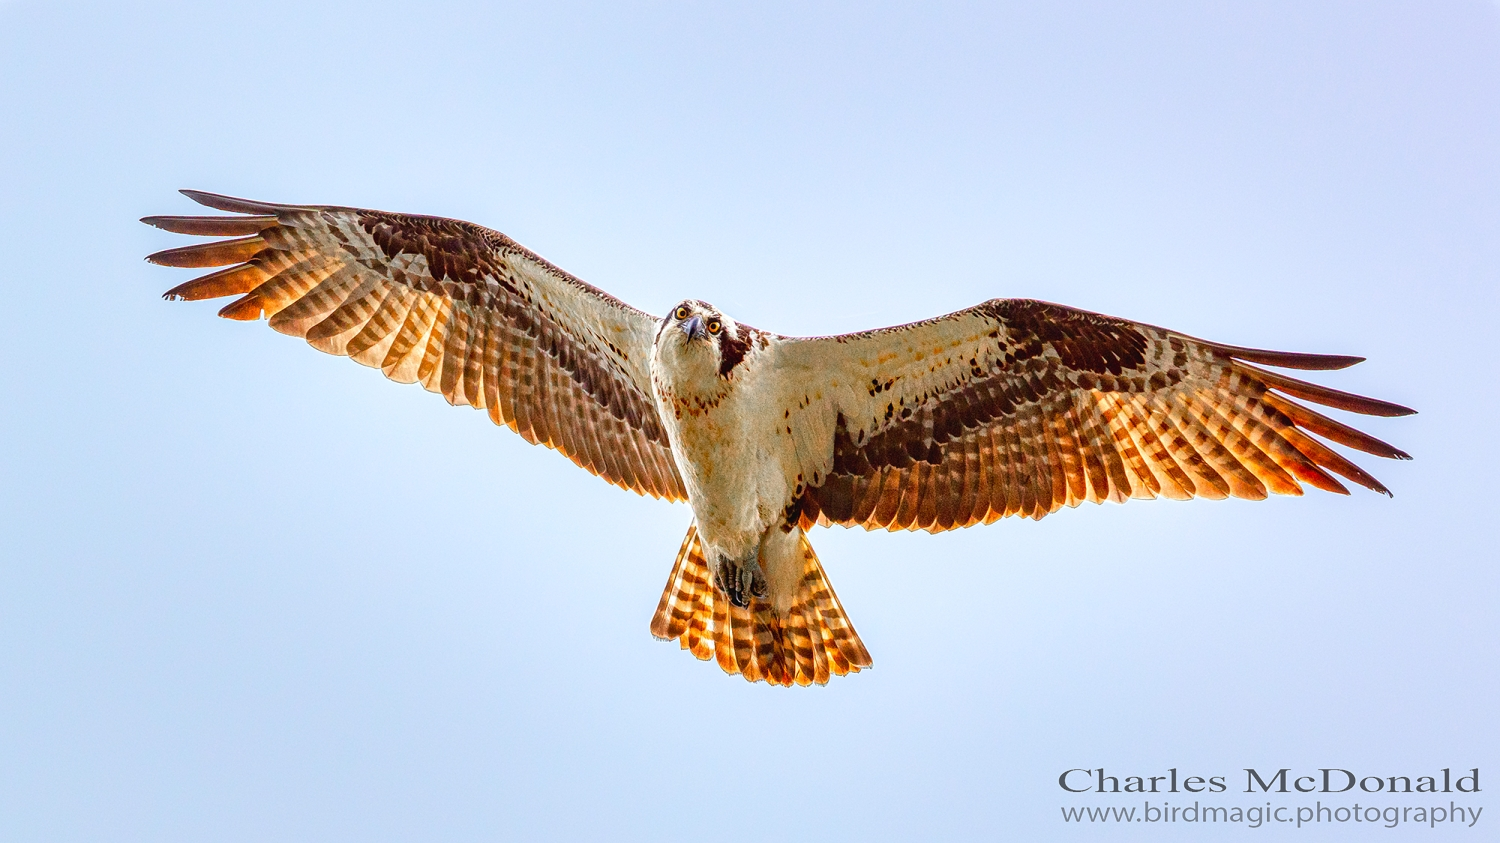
(682, 312)
(715, 326)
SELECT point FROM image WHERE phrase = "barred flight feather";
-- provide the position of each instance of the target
(466, 311)
(812, 641)
(1078, 407)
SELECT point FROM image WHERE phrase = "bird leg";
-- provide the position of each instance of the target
(740, 581)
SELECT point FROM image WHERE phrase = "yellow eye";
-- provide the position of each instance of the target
(682, 312)
(715, 326)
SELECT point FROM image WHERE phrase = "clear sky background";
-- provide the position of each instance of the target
(251, 592)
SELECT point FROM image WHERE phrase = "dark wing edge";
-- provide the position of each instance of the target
(1065, 406)
(463, 310)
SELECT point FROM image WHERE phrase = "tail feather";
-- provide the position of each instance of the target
(813, 641)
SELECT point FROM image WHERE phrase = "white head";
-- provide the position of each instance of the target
(700, 345)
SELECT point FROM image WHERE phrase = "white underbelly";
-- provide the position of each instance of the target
(729, 448)
(725, 475)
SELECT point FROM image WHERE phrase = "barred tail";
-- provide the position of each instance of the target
(811, 642)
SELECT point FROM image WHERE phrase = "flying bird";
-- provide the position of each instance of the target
(1011, 407)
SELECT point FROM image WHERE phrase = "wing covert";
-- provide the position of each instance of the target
(465, 311)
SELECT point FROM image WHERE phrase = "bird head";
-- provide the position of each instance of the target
(695, 335)
(697, 322)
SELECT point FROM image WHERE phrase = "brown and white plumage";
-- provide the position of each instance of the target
(463, 310)
(1018, 407)
(1011, 407)
(807, 642)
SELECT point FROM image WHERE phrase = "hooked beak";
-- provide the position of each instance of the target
(694, 329)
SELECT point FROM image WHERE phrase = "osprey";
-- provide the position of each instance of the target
(1011, 407)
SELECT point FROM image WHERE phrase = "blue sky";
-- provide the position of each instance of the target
(250, 592)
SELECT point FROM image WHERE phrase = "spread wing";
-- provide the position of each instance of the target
(1018, 407)
(465, 311)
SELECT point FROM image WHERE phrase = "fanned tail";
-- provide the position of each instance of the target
(812, 642)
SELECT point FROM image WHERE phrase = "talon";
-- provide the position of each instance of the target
(746, 579)
(740, 582)
(727, 580)
(758, 587)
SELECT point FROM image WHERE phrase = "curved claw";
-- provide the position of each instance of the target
(740, 581)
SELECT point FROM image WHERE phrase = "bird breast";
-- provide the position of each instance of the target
(737, 490)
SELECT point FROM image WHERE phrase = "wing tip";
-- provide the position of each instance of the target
(1285, 359)
(232, 204)
(245, 309)
(232, 225)
(1326, 396)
